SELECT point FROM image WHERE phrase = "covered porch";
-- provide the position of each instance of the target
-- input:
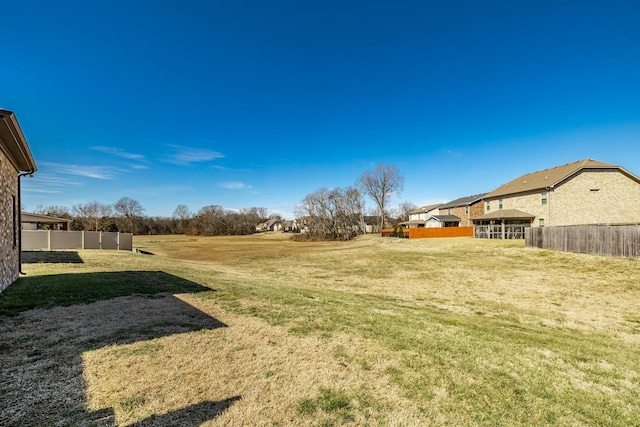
(502, 224)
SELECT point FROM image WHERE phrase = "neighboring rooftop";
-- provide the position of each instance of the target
(425, 209)
(446, 218)
(463, 201)
(504, 214)
(549, 178)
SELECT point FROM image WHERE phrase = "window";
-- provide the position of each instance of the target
(541, 222)
(500, 204)
(488, 206)
(544, 197)
(466, 210)
(594, 190)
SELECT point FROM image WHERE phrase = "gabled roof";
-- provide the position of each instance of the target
(550, 178)
(463, 201)
(445, 218)
(504, 214)
(14, 144)
(270, 223)
(425, 209)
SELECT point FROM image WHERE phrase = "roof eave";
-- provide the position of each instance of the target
(16, 143)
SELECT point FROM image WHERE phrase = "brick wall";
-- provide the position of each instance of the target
(476, 209)
(591, 197)
(9, 259)
(596, 198)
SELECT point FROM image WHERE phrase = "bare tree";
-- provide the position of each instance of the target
(128, 210)
(88, 214)
(211, 220)
(404, 209)
(380, 184)
(53, 210)
(332, 214)
(182, 215)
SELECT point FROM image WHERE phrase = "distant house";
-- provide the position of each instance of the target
(464, 208)
(419, 216)
(31, 221)
(16, 160)
(274, 224)
(289, 225)
(437, 221)
(584, 192)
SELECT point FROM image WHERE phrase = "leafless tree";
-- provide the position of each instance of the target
(182, 216)
(380, 184)
(404, 209)
(211, 221)
(128, 211)
(89, 214)
(53, 210)
(332, 214)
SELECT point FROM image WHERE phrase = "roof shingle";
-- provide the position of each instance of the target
(550, 178)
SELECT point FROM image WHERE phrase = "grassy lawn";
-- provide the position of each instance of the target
(260, 330)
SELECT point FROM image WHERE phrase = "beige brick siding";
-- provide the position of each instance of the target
(617, 200)
(9, 259)
(476, 209)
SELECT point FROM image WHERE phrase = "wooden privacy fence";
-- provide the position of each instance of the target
(609, 240)
(47, 240)
(426, 232)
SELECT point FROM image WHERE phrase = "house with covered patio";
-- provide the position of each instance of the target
(583, 192)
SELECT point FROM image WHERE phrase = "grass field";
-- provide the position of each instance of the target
(263, 331)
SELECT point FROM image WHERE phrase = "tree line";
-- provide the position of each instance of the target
(333, 214)
(127, 216)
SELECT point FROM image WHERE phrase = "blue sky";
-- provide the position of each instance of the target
(259, 103)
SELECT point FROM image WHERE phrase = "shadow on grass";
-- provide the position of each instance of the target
(48, 257)
(191, 416)
(50, 321)
(50, 291)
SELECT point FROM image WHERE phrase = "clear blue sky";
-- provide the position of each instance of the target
(259, 103)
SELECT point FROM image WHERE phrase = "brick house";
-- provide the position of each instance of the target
(464, 208)
(419, 216)
(584, 192)
(15, 161)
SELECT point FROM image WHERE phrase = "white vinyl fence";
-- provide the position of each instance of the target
(48, 240)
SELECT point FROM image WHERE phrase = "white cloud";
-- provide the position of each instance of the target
(96, 172)
(234, 186)
(186, 155)
(118, 152)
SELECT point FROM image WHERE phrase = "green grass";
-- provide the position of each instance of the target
(470, 332)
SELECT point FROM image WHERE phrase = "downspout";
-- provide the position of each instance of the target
(549, 204)
(19, 225)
